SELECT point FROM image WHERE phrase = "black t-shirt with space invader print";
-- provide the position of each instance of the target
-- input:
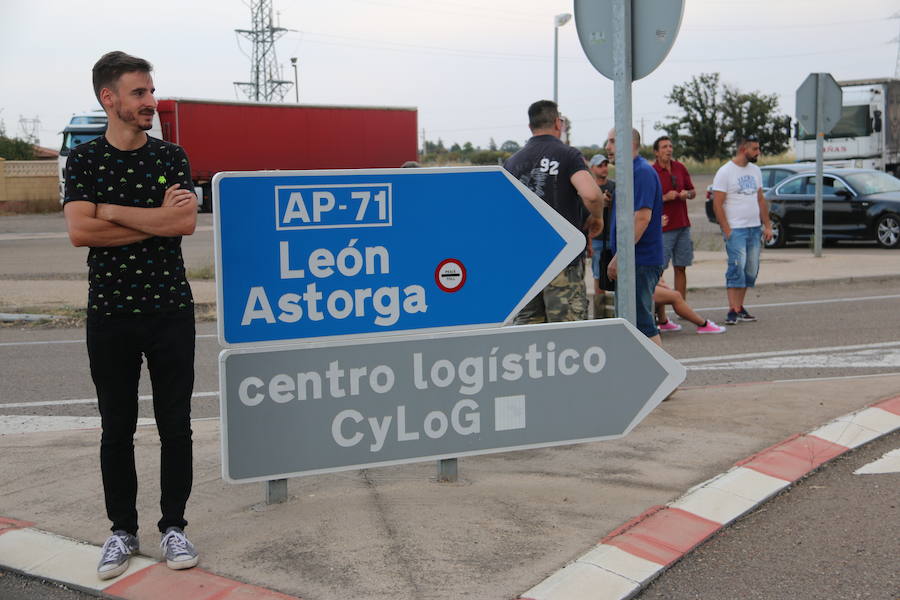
(146, 276)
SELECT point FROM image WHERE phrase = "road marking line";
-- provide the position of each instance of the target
(862, 359)
(773, 305)
(88, 401)
(14, 424)
(807, 302)
(78, 341)
(752, 355)
(889, 463)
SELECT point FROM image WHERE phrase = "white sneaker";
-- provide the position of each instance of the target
(115, 553)
(178, 551)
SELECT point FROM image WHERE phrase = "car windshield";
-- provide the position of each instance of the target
(873, 182)
(72, 139)
(854, 122)
(88, 120)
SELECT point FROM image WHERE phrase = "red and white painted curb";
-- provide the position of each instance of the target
(73, 563)
(629, 558)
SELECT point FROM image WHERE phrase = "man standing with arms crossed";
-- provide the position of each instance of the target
(677, 189)
(557, 173)
(128, 197)
(648, 250)
(743, 215)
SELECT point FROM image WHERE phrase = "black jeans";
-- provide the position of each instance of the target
(115, 347)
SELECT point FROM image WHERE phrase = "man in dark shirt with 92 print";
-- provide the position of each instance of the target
(129, 198)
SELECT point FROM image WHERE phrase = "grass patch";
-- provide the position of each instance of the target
(30, 207)
(70, 317)
(205, 272)
(711, 165)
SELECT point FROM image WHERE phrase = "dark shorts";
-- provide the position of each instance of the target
(678, 247)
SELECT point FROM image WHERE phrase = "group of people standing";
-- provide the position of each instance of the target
(662, 228)
(129, 198)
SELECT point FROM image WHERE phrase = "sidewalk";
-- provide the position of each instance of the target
(708, 271)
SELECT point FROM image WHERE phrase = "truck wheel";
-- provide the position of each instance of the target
(207, 199)
(777, 240)
(887, 231)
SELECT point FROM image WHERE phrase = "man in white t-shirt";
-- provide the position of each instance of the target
(743, 215)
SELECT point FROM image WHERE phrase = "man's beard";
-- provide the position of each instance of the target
(753, 159)
(131, 117)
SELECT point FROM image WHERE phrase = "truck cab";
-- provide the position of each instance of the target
(82, 128)
(866, 135)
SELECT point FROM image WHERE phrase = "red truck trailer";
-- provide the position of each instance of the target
(243, 136)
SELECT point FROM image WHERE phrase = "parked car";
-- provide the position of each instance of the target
(772, 176)
(857, 204)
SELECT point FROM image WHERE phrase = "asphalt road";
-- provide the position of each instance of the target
(18, 587)
(815, 541)
(817, 330)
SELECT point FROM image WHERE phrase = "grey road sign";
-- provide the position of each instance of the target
(819, 100)
(655, 25)
(832, 99)
(328, 407)
(626, 40)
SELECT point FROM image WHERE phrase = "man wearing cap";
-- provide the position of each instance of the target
(678, 247)
(599, 167)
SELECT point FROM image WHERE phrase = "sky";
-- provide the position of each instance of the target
(471, 68)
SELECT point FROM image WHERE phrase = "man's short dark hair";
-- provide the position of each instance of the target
(661, 138)
(746, 139)
(113, 65)
(542, 114)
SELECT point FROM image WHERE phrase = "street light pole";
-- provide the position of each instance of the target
(296, 86)
(558, 21)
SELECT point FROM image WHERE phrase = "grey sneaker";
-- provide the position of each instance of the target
(179, 552)
(115, 554)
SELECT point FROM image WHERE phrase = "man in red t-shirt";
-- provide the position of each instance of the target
(678, 247)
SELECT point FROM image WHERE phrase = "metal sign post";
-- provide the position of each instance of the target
(625, 40)
(820, 151)
(819, 99)
(623, 69)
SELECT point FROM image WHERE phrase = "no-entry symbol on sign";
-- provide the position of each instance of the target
(450, 275)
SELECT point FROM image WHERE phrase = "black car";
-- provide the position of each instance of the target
(772, 175)
(857, 204)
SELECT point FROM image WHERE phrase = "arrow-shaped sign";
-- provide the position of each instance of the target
(329, 254)
(329, 406)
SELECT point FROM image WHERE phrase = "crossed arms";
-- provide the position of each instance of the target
(102, 225)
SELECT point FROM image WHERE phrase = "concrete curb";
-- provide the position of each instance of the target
(73, 563)
(629, 558)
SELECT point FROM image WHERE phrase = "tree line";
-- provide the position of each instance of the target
(712, 117)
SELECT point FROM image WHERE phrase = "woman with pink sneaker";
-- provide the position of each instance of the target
(663, 295)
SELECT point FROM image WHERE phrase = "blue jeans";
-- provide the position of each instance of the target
(645, 279)
(597, 245)
(743, 247)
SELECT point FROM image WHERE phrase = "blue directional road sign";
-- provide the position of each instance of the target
(306, 255)
(332, 406)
